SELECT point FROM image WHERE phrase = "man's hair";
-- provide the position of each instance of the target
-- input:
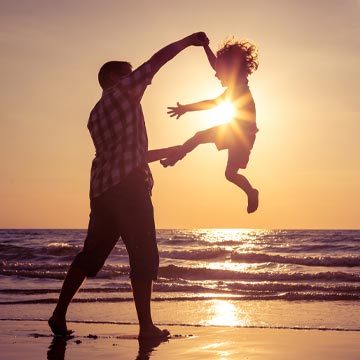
(118, 67)
(241, 53)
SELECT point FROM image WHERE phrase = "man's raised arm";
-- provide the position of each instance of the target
(160, 58)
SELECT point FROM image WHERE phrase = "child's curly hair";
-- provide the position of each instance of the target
(242, 51)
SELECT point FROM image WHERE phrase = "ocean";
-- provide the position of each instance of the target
(236, 277)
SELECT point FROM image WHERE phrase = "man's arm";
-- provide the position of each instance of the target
(211, 56)
(164, 55)
(158, 154)
(141, 77)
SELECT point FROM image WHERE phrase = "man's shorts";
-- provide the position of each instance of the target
(123, 211)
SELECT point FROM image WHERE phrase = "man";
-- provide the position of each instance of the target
(120, 186)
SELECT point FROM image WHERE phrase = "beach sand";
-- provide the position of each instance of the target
(32, 340)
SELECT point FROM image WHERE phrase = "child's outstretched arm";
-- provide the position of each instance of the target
(211, 56)
(180, 109)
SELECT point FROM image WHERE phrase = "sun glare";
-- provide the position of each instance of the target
(222, 113)
(225, 313)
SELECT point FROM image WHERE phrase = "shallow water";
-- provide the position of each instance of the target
(299, 277)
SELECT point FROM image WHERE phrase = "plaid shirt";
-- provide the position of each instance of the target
(117, 128)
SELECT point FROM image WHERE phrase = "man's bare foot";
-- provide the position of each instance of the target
(253, 201)
(153, 332)
(58, 326)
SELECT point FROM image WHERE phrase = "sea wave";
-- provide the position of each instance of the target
(197, 254)
(229, 288)
(173, 271)
(55, 250)
(330, 261)
(290, 296)
(57, 271)
(65, 252)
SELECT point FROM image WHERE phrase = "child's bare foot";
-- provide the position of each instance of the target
(153, 332)
(253, 201)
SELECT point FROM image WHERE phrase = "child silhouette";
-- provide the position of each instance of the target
(233, 63)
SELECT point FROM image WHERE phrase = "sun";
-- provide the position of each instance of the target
(222, 113)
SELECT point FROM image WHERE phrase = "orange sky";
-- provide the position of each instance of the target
(305, 161)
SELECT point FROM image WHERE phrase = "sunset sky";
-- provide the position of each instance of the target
(306, 159)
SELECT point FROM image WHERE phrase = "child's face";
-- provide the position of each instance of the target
(222, 72)
(227, 71)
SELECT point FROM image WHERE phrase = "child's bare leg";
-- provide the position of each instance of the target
(231, 174)
(201, 137)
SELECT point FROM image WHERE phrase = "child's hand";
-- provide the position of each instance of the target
(177, 110)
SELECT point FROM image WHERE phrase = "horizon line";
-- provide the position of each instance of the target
(194, 228)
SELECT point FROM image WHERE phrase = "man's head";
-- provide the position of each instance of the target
(236, 59)
(112, 71)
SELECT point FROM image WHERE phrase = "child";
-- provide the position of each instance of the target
(233, 63)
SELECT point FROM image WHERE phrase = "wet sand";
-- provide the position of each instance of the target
(32, 340)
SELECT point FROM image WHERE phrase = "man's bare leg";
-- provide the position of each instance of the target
(72, 283)
(142, 297)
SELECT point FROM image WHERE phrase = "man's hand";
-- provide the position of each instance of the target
(159, 154)
(198, 39)
(177, 154)
(177, 110)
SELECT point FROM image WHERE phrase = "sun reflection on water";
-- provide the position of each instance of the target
(225, 313)
(236, 235)
(231, 266)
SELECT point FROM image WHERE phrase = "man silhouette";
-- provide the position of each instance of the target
(120, 186)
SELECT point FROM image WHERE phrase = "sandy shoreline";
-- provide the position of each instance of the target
(32, 340)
